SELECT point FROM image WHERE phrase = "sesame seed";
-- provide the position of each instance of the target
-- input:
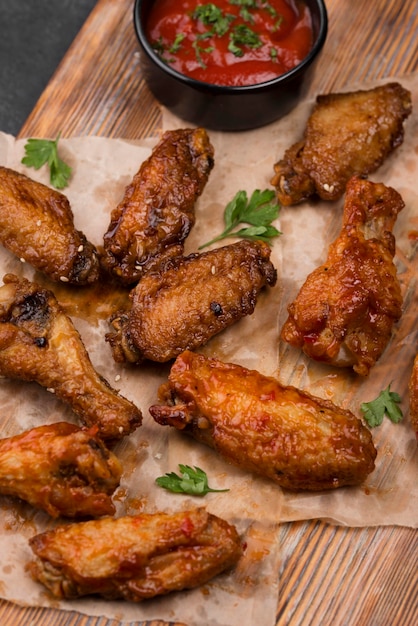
(22, 260)
(213, 269)
(117, 378)
(64, 279)
(80, 248)
(39, 223)
(50, 389)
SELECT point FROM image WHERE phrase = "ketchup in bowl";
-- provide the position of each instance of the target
(231, 42)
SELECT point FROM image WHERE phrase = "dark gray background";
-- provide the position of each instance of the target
(34, 36)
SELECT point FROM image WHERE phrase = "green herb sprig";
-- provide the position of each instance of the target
(39, 152)
(386, 403)
(192, 481)
(259, 212)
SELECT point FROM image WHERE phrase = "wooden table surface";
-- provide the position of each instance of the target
(328, 574)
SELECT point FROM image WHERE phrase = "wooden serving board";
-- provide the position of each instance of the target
(328, 574)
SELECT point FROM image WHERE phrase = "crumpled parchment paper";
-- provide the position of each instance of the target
(247, 596)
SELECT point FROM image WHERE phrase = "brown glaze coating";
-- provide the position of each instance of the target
(345, 311)
(39, 343)
(299, 441)
(156, 213)
(346, 134)
(37, 225)
(413, 396)
(61, 469)
(134, 558)
(190, 300)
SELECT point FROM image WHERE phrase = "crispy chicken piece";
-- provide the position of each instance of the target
(37, 225)
(299, 441)
(39, 343)
(346, 134)
(345, 311)
(134, 558)
(413, 396)
(190, 300)
(61, 469)
(156, 213)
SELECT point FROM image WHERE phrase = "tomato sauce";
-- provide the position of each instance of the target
(231, 42)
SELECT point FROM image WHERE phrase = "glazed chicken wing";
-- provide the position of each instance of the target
(190, 300)
(299, 441)
(61, 469)
(39, 343)
(156, 214)
(346, 134)
(345, 311)
(413, 396)
(37, 225)
(134, 558)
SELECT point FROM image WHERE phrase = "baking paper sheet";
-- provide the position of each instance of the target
(102, 168)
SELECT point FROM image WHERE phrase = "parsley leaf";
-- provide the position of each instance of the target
(193, 481)
(386, 403)
(45, 151)
(259, 211)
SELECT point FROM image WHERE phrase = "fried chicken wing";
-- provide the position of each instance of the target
(61, 469)
(346, 134)
(190, 300)
(345, 311)
(39, 343)
(299, 441)
(156, 213)
(413, 396)
(37, 225)
(134, 558)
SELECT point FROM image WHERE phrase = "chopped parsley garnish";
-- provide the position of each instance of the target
(273, 54)
(218, 24)
(199, 50)
(240, 36)
(211, 15)
(176, 45)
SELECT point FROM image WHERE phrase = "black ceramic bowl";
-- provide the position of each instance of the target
(227, 108)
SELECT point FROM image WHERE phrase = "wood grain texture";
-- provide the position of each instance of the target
(329, 575)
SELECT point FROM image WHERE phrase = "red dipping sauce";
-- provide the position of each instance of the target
(231, 42)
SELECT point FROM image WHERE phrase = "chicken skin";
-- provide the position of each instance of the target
(252, 421)
(413, 396)
(134, 558)
(190, 300)
(156, 213)
(61, 469)
(37, 225)
(345, 311)
(346, 134)
(39, 343)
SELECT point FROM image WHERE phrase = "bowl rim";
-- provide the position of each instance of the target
(227, 89)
